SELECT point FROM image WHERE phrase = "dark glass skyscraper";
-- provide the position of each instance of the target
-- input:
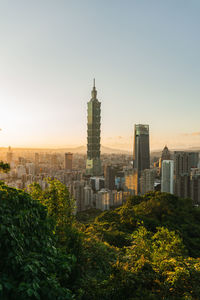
(93, 165)
(141, 156)
(183, 162)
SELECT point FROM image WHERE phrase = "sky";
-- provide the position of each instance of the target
(144, 55)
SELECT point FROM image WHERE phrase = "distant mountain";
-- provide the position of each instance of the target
(104, 150)
(80, 149)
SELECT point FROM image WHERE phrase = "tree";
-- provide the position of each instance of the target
(31, 267)
(4, 167)
(150, 238)
(57, 199)
(59, 204)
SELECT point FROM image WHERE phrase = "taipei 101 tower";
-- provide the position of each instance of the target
(93, 165)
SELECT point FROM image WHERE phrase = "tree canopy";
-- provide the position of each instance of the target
(146, 249)
(31, 267)
(4, 167)
(155, 244)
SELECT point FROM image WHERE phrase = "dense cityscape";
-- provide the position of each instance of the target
(104, 181)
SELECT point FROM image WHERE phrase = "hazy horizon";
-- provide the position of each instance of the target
(143, 54)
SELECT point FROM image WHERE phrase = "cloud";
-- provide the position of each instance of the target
(192, 134)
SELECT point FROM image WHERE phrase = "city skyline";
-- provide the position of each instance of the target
(144, 55)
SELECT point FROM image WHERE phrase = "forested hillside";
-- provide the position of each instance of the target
(149, 248)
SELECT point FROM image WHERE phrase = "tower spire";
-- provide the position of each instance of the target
(94, 91)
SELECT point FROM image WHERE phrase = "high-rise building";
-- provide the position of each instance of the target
(9, 155)
(103, 198)
(193, 159)
(109, 174)
(141, 154)
(93, 164)
(88, 197)
(78, 194)
(195, 188)
(97, 183)
(183, 162)
(68, 161)
(131, 181)
(147, 180)
(167, 178)
(182, 185)
(166, 155)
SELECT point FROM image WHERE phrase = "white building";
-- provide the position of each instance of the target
(21, 170)
(88, 197)
(167, 179)
(97, 183)
(103, 199)
(30, 167)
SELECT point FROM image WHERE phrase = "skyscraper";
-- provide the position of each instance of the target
(165, 154)
(141, 154)
(109, 174)
(131, 181)
(9, 155)
(167, 178)
(93, 164)
(183, 162)
(195, 186)
(147, 181)
(68, 161)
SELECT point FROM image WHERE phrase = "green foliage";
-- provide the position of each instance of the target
(154, 210)
(137, 251)
(161, 209)
(88, 216)
(56, 198)
(31, 266)
(151, 237)
(96, 264)
(60, 207)
(4, 167)
(153, 267)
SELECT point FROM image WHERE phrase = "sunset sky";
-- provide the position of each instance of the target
(145, 56)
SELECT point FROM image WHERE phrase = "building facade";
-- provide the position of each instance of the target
(141, 156)
(68, 161)
(141, 151)
(109, 174)
(166, 155)
(147, 181)
(93, 164)
(167, 178)
(131, 181)
(195, 188)
(183, 162)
